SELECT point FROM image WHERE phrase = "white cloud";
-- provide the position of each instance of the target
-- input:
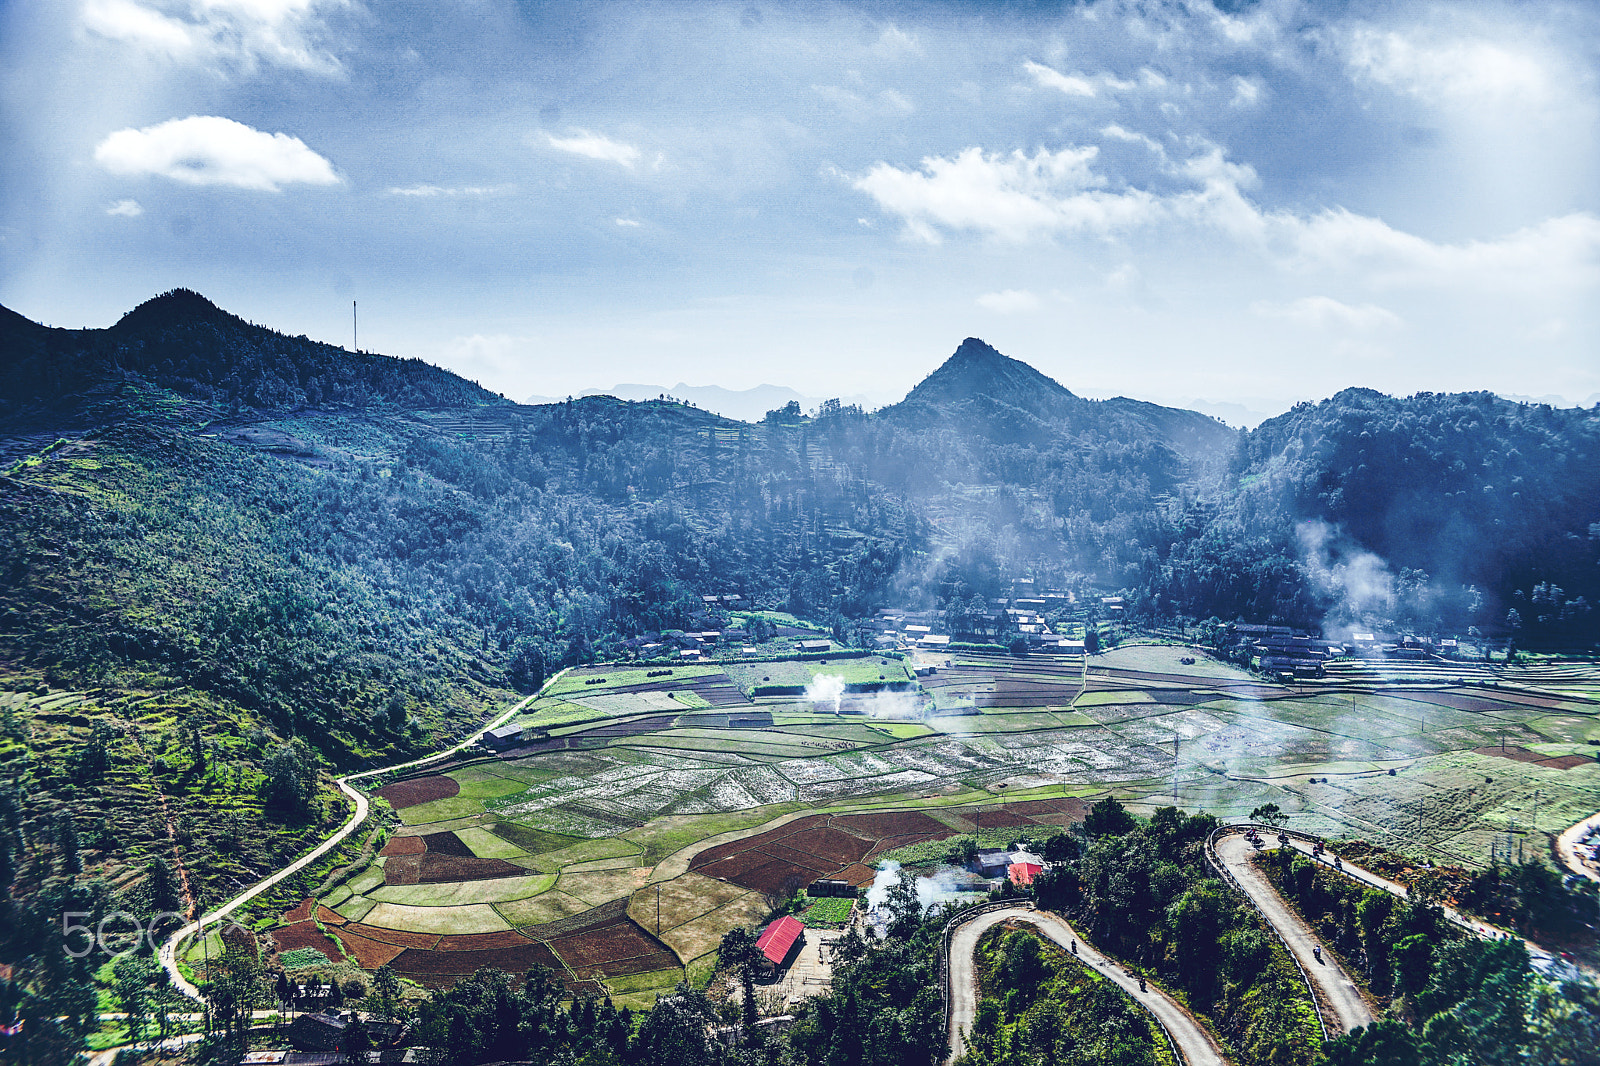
(632, 222)
(1013, 196)
(857, 107)
(207, 150)
(1246, 92)
(126, 209)
(1557, 253)
(428, 191)
(1050, 78)
(1008, 301)
(1118, 133)
(1323, 312)
(596, 146)
(894, 42)
(1016, 197)
(242, 33)
(1467, 71)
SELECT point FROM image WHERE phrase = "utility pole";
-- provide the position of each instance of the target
(1534, 828)
(658, 909)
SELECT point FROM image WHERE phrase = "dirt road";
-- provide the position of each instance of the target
(1347, 1010)
(1196, 1045)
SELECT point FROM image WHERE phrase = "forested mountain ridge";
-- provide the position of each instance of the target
(183, 342)
(1458, 509)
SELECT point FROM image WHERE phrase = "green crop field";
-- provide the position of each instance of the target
(617, 819)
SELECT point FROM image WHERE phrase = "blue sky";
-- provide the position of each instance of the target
(1259, 205)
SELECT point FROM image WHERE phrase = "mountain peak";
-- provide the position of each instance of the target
(977, 370)
(175, 307)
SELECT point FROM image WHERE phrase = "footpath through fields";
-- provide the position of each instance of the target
(1347, 1010)
(1195, 1043)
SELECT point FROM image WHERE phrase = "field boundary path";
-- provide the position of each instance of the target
(1325, 978)
(1191, 1043)
(169, 949)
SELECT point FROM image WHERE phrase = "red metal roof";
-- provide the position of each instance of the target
(776, 939)
(1023, 873)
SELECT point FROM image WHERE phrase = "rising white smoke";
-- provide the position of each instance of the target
(1359, 583)
(931, 891)
(897, 705)
(886, 877)
(826, 690)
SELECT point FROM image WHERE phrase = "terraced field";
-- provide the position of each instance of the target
(642, 817)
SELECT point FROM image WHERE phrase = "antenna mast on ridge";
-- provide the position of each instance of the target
(355, 332)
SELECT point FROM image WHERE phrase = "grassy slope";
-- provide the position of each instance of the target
(165, 577)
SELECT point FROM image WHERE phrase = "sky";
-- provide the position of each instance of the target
(1246, 204)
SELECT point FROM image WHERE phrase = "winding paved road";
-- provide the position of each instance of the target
(169, 949)
(1345, 1007)
(1567, 848)
(1195, 1043)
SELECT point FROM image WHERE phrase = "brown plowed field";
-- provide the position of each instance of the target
(1044, 808)
(306, 935)
(415, 790)
(369, 953)
(601, 915)
(833, 845)
(329, 917)
(398, 937)
(301, 911)
(513, 960)
(1009, 692)
(434, 869)
(446, 844)
(610, 948)
(504, 938)
(643, 964)
(404, 846)
(402, 870)
(610, 730)
(875, 827)
(771, 836)
(774, 876)
(857, 873)
(997, 819)
(1521, 754)
(719, 692)
(890, 843)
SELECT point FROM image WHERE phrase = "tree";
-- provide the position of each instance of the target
(1268, 813)
(358, 1043)
(1386, 1042)
(161, 886)
(386, 992)
(1108, 818)
(738, 951)
(131, 977)
(290, 784)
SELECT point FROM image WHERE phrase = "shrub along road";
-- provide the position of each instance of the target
(1196, 1045)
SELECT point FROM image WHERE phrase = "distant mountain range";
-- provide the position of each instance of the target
(745, 405)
